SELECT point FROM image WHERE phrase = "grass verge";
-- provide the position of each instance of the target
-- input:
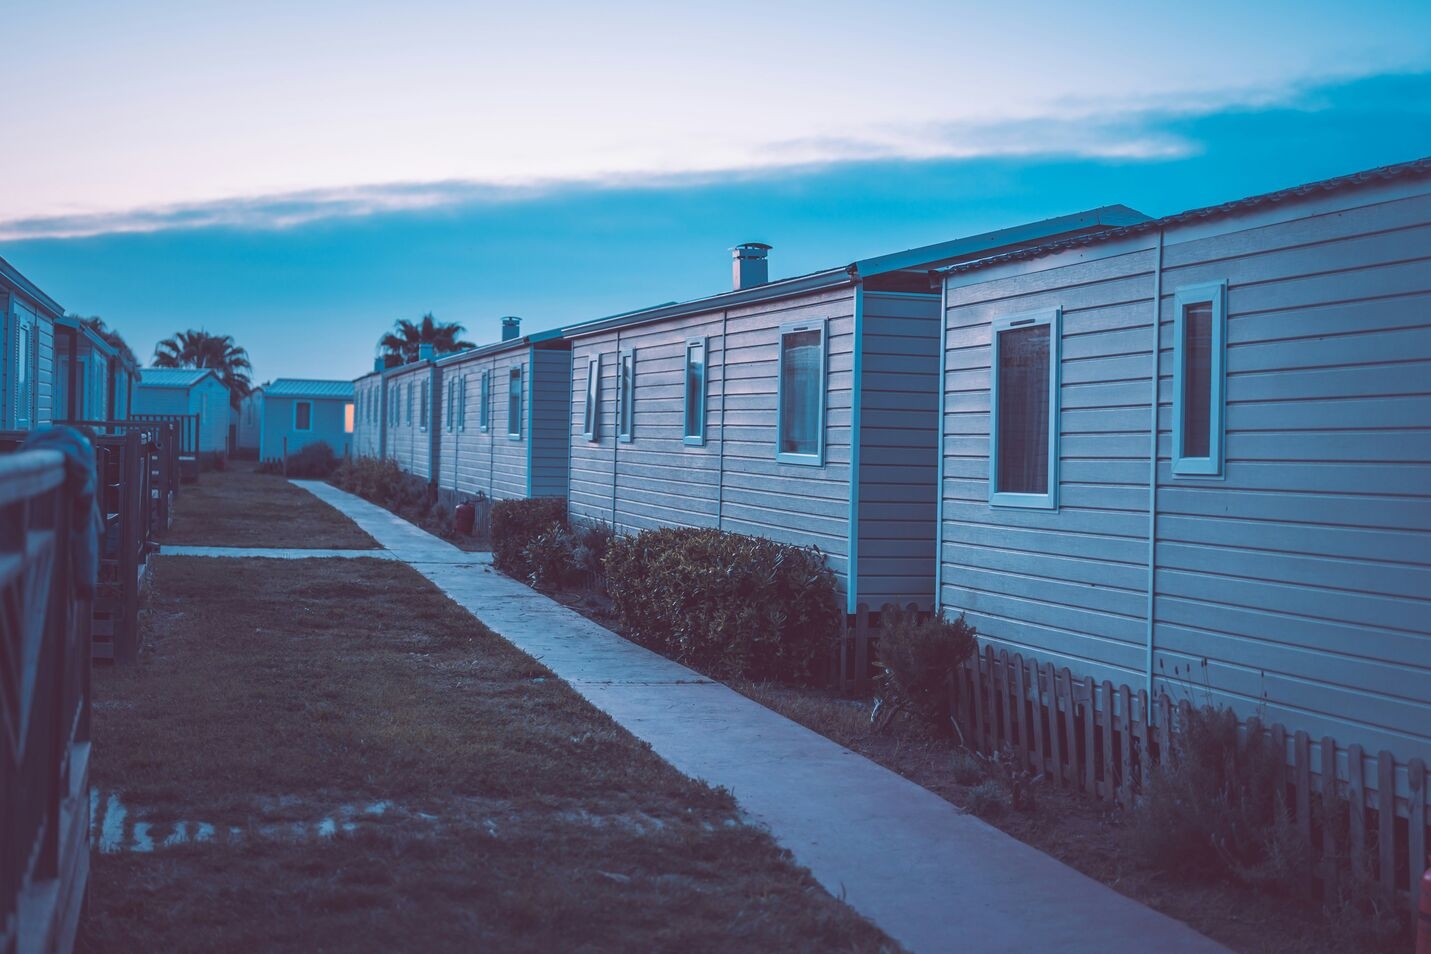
(238, 507)
(523, 820)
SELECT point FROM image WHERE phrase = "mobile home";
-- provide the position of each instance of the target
(188, 391)
(803, 410)
(88, 373)
(248, 423)
(28, 364)
(370, 409)
(1194, 455)
(504, 418)
(294, 413)
(409, 434)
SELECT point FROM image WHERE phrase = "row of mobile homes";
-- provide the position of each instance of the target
(1194, 455)
(409, 431)
(295, 413)
(503, 411)
(803, 410)
(190, 392)
(27, 366)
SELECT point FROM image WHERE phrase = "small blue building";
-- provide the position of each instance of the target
(294, 412)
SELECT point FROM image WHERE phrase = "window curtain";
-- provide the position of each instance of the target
(801, 393)
(1023, 410)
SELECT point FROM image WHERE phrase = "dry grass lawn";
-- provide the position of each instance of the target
(241, 508)
(522, 820)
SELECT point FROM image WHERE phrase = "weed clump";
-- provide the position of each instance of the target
(920, 663)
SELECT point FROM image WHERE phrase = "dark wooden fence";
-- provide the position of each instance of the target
(187, 426)
(125, 465)
(1359, 814)
(44, 710)
(164, 437)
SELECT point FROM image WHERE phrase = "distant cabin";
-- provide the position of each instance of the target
(27, 366)
(1231, 503)
(804, 410)
(504, 413)
(295, 412)
(188, 391)
(94, 381)
(370, 414)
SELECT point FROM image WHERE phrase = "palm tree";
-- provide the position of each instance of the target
(199, 349)
(407, 338)
(110, 336)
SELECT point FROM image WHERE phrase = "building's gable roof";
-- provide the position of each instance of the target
(920, 260)
(11, 275)
(309, 388)
(174, 377)
(1416, 169)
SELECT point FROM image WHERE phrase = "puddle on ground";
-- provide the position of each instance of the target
(115, 827)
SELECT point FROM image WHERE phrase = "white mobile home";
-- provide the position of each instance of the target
(88, 375)
(248, 423)
(504, 418)
(294, 413)
(188, 391)
(370, 414)
(409, 432)
(28, 363)
(803, 410)
(1231, 502)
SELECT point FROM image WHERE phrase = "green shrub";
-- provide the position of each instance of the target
(919, 661)
(592, 543)
(988, 799)
(724, 603)
(376, 479)
(551, 558)
(316, 460)
(1213, 809)
(516, 524)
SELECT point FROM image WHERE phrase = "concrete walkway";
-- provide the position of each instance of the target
(277, 553)
(934, 878)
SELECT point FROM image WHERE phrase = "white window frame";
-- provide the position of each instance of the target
(462, 402)
(484, 407)
(1053, 318)
(410, 401)
(449, 415)
(296, 406)
(591, 407)
(626, 395)
(514, 421)
(1214, 293)
(424, 407)
(816, 459)
(695, 437)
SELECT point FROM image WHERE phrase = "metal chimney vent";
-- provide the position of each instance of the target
(749, 266)
(426, 352)
(511, 328)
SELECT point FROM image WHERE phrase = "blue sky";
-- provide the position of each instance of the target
(300, 175)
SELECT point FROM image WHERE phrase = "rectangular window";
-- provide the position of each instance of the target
(484, 410)
(462, 403)
(591, 412)
(695, 429)
(626, 395)
(348, 417)
(1023, 452)
(1199, 342)
(396, 415)
(410, 403)
(514, 403)
(800, 414)
(424, 404)
(303, 415)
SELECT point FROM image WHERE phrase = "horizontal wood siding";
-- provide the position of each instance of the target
(899, 448)
(1069, 585)
(551, 439)
(1298, 587)
(734, 481)
(489, 463)
(405, 441)
(368, 421)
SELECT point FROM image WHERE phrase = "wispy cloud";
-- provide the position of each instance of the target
(1136, 131)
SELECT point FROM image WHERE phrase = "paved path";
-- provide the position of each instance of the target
(934, 878)
(278, 553)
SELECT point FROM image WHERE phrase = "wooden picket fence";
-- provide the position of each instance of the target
(1355, 812)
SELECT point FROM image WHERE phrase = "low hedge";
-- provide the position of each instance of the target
(726, 604)
(516, 525)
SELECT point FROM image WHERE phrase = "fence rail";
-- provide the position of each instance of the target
(1358, 813)
(186, 424)
(163, 434)
(44, 710)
